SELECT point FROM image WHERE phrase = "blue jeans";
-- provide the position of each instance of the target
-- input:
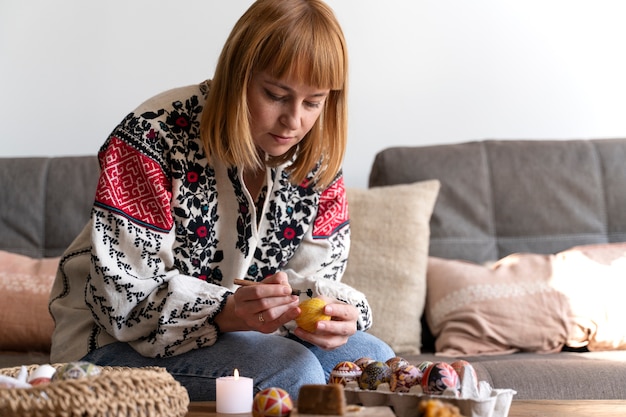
(270, 360)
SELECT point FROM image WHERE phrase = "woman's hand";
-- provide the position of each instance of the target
(264, 307)
(330, 334)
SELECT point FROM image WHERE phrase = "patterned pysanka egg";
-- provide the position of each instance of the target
(462, 367)
(272, 402)
(438, 377)
(345, 372)
(396, 362)
(374, 374)
(41, 375)
(363, 362)
(423, 365)
(76, 370)
(404, 377)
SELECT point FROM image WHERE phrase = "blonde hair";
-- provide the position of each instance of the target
(299, 38)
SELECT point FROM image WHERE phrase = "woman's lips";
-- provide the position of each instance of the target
(282, 138)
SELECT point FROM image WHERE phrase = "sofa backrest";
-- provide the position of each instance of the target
(501, 197)
(45, 202)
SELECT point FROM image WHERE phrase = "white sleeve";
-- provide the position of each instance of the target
(133, 290)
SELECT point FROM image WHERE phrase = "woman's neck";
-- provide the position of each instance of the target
(254, 181)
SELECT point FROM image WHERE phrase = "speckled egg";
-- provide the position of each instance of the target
(404, 377)
(396, 362)
(345, 372)
(423, 365)
(363, 362)
(76, 370)
(374, 374)
(438, 377)
(272, 402)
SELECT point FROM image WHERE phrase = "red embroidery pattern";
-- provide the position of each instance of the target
(333, 211)
(134, 186)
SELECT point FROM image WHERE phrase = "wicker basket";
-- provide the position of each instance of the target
(117, 391)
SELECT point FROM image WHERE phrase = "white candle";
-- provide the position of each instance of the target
(233, 394)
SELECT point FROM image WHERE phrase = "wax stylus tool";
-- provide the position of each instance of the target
(246, 283)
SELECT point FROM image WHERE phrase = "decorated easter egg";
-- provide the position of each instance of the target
(272, 402)
(312, 312)
(41, 375)
(423, 365)
(464, 368)
(363, 362)
(438, 377)
(396, 362)
(345, 372)
(374, 374)
(76, 370)
(404, 377)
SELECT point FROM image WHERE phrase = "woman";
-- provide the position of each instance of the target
(238, 177)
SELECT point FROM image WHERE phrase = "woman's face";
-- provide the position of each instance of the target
(282, 111)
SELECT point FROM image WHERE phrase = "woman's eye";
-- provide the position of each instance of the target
(273, 96)
(313, 104)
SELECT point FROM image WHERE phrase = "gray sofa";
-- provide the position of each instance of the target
(496, 198)
(504, 197)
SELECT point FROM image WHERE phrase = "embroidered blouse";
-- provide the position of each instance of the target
(170, 231)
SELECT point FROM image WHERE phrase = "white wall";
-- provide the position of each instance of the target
(422, 71)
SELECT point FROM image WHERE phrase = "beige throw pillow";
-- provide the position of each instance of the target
(390, 235)
(25, 284)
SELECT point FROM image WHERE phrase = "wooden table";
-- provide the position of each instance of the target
(564, 408)
(519, 408)
(201, 409)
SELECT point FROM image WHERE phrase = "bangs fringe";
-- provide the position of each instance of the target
(299, 39)
(306, 48)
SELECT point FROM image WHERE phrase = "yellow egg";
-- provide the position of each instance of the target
(312, 312)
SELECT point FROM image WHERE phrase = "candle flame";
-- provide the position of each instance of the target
(236, 373)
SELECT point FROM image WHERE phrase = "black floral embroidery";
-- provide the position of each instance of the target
(149, 244)
(290, 214)
(244, 217)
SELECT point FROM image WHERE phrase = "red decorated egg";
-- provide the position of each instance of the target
(438, 377)
(404, 377)
(345, 372)
(464, 368)
(374, 374)
(272, 402)
(41, 375)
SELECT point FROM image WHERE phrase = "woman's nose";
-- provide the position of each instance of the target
(291, 117)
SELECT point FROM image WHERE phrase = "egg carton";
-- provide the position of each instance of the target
(494, 403)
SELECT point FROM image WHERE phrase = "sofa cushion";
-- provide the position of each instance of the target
(477, 310)
(388, 253)
(500, 197)
(48, 202)
(25, 284)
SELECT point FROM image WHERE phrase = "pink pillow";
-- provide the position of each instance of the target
(507, 307)
(529, 302)
(25, 284)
